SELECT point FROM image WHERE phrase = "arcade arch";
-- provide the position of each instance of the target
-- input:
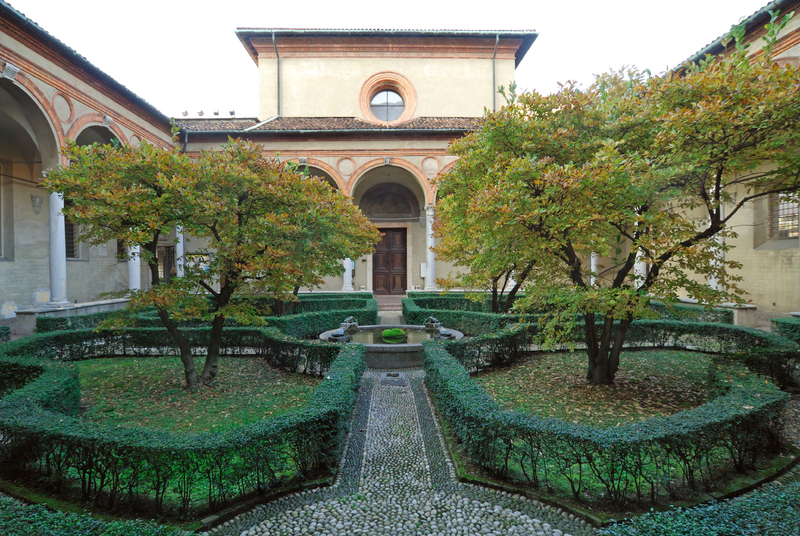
(28, 147)
(394, 199)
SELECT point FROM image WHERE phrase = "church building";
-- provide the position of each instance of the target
(371, 112)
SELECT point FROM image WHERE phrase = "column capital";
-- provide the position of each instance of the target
(429, 210)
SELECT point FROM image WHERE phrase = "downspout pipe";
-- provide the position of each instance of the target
(275, 46)
(494, 73)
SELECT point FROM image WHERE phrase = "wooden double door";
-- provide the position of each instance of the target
(389, 274)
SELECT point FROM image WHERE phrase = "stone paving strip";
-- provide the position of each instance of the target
(396, 479)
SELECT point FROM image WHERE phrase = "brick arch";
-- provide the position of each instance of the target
(396, 162)
(46, 107)
(313, 162)
(443, 171)
(92, 119)
(69, 103)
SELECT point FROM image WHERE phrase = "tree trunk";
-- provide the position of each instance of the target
(212, 355)
(604, 351)
(495, 303)
(185, 349)
(513, 294)
(215, 335)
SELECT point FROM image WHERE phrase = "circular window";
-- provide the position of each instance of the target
(387, 98)
(387, 105)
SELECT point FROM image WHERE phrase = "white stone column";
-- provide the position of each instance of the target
(180, 251)
(593, 267)
(430, 257)
(347, 280)
(58, 252)
(134, 269)
(640, 269)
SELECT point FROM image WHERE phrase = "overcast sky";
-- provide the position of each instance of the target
(184, 55)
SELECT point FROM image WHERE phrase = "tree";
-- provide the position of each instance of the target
(262, 227)
(636, 169)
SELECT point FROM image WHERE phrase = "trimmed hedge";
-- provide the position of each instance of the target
(322, 303)
(642, 461)
(676, 311)
(311, 324)
(692, 313)
(491, 350)
(155, 470)
(787, 327)
(20, 519)
(5, 334)
(466, 321)
(474, 318)
(767, 512)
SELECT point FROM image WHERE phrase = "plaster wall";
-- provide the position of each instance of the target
(64, 91)
(330, 87)
(770, 268)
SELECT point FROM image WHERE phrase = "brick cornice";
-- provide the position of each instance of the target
(37, 44)
(385, 47)
(64, 87)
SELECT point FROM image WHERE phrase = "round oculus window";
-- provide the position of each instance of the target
(387, 105)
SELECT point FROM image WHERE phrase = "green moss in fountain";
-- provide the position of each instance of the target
(393, 335)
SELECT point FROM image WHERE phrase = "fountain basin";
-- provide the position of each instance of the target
(382, 355)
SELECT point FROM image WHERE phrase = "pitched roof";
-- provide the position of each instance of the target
(757, 19)
(325, 124)
(67, 54)
(246, 34)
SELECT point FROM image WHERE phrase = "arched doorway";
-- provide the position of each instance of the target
(392, 198)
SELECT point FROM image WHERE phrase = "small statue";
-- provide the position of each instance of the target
(431, 324)
(339, 336)
(349, 325)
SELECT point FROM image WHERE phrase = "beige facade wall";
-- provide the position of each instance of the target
(48, 102)
(331, 87)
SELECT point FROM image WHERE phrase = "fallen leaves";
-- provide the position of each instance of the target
(649, 383)
(149, 392)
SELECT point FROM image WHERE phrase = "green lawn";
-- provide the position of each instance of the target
(649, 383)
(149, 392)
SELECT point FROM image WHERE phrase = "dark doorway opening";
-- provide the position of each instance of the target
(389, 263)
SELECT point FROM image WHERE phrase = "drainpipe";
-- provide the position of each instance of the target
(494, 74)
(279, 72)
(185, 140)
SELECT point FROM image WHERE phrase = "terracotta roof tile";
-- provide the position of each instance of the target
(216, 125)
(324, 124)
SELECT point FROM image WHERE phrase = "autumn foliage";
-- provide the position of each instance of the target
(260, 227)
(645, 172)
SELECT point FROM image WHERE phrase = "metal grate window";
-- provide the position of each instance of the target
(784, 221)
(166, 263)
(70, 237)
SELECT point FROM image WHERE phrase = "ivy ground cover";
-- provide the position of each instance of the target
(149, 392)
(553, 385)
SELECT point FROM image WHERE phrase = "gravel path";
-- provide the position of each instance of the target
(395, 479)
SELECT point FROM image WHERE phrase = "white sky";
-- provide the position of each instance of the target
(185, 56)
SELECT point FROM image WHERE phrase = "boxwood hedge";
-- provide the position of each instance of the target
(773, 511)
(20, 519)
(787, 327)
(330, 307)
(643, 461)
(475, 318)
(158, 471)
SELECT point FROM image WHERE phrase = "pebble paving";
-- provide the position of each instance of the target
(396, 479)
